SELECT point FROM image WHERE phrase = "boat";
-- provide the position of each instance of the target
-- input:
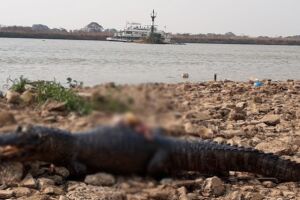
(136, 32)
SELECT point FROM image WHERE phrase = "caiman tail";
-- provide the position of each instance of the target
(210, 157)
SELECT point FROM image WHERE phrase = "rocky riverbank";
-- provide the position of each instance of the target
(266, 117)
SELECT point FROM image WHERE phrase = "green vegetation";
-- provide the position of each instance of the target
(53, 90)
(19, 84)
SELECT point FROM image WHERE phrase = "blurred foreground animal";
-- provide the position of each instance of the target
(121, 149)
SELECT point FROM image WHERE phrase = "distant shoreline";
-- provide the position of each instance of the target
(65, 36)
(178, 38)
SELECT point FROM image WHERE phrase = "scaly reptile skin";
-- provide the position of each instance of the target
(121, 150)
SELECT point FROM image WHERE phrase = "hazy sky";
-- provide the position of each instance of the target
(249, 17)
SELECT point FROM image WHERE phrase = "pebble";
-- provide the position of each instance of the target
(268, 184)
(271, 120)
(27, 97)
(62, 171)
(92, 192)
(100, 179)
(182, 193)
(63, 198)
(11, 172)
(213, 187)
(199, 116)
(200, 131)
(53, 190)
(257, 99)
(45, 182)
(238, 115)
(53, 106)
(236, 195)
(253, 196)
(29, 181)
(277, 147)
(6, 118)
(6, 194)
(12, 97)
(21, 192)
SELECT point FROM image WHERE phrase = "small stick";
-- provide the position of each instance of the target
(215, 77)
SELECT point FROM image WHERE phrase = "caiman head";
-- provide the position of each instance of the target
(24, 144)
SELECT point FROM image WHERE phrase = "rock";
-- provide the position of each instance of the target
(288, 194)
(236, 195)
(45, 182)
(62, 171)
(257, 99)
(201, 131)
(27, 97)
(219, 140)
(85, 95)
(253, 196)
(200, 116)
(268, 184)
(93, 192)
(162, 193)
(57, 179)
(235, 141)
(6, 118)
(30, 88)
(276, 146)
(186, 103)
(237, 115)
(186, 87)
(6, 194)
(241, 105)
(187, 183)
(275, 193)
(21, 192)
(37, 196)
(213, 187)
(11, 172)
(100, 179)
(29, 181)
(54, 106)
(53, 190)
(12, 97)
(232, 133)
(271, 120)
(62, 198)
(166, 181)
(182, 193)
(264, 109)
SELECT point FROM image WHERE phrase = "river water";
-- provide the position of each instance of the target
(95, 62)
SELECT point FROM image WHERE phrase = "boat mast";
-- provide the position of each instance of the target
(153, 16)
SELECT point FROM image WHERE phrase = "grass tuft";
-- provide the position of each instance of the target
(53, 90)
(18, 85)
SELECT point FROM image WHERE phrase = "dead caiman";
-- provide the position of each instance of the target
(122, 149)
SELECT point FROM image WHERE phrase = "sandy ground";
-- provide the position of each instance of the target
(267, 118)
